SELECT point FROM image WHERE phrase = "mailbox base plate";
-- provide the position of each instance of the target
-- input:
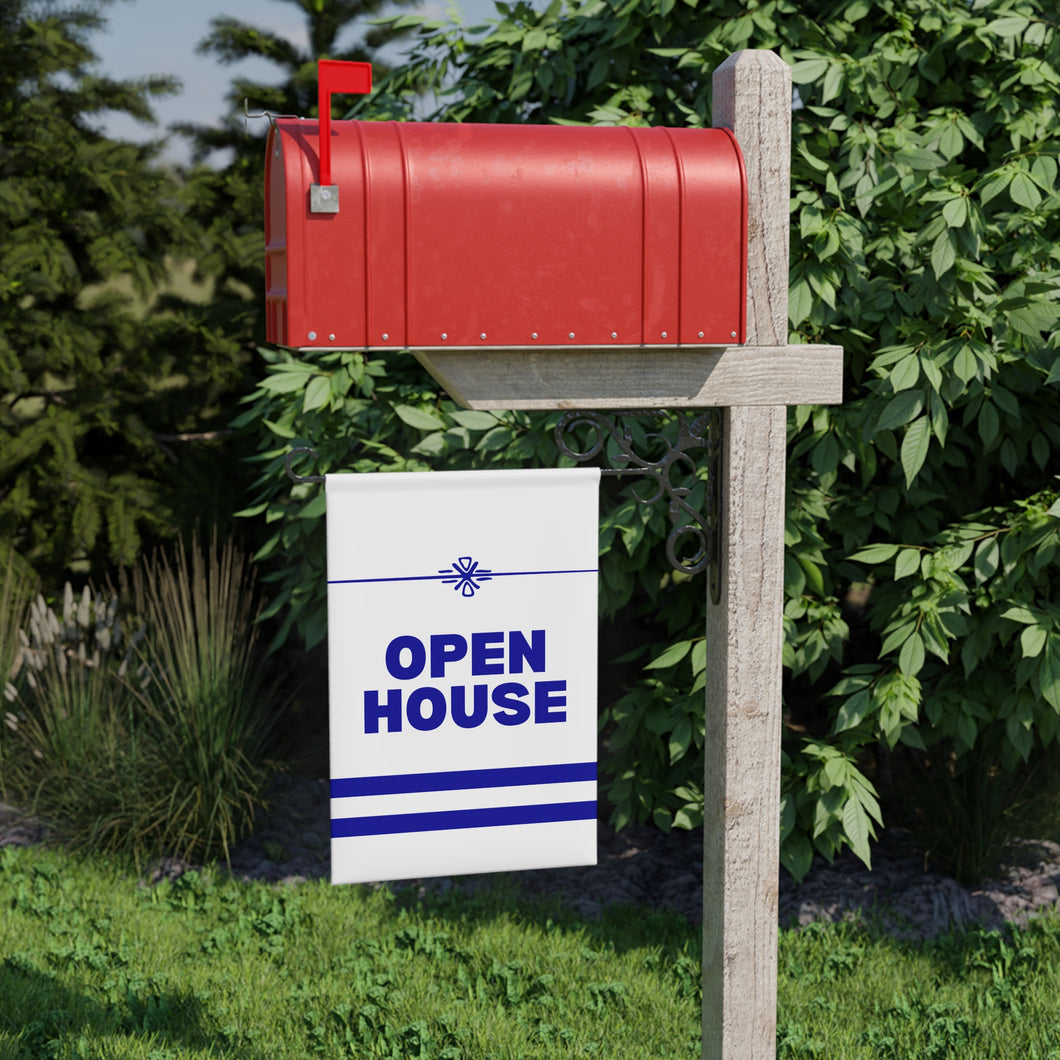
(616, 377)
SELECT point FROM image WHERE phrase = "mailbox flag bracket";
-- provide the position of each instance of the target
(333, 76)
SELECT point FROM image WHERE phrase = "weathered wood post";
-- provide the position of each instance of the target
(744, 631)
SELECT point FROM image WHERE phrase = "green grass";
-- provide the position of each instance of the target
(844, 992)
(93, 965)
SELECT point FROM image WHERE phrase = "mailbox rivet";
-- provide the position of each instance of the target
(663, 334)
(733, 333)
(533, 334)
(614, 334)
(571, 335)
(312, 336)
(385, 336)
(331, 338)
(445, 335)
(483, 335)
(701, 334)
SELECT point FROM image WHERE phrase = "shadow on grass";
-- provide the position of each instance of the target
(621, 928)
(39, 1013)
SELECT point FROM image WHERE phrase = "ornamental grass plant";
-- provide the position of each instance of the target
(146, 744)
(211, 710)
(73, 750)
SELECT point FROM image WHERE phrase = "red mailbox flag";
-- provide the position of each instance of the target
(334, 76)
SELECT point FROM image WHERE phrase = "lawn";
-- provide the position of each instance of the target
(92, 964)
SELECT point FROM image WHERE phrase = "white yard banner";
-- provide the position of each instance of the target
(462, 619)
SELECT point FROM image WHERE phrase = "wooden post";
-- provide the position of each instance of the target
(744, 631)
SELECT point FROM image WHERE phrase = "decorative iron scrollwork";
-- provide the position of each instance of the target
(694, 432)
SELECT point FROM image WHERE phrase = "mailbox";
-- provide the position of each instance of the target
(472, 235)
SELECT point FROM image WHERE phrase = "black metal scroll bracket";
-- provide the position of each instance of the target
(300, 478)
(702, 431)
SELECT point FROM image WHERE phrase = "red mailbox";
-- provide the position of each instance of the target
(459, 235)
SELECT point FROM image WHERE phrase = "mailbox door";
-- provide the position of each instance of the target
(462, 236)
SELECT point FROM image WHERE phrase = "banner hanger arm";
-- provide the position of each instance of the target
(299, 479)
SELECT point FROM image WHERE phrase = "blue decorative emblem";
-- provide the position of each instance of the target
(466, 576)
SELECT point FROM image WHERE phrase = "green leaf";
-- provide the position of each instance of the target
(286, 382)
(943, 253)
(956, 212)
(699, 656)
(420, 419)
(474, 419)
(907, 562)
(1049, 674)
(987, 558)
(317, 394)
(900, 410)
(905, 373)
(989, 424)
(800, 302)
(807, 70)
(854, 710)
(680, 739)
(1011, 26)
(835, 772)
(966, 365)
(911, 657)
(796, 855)
(875, 553)
(967, 729)
(1032, 641)
(856, 827)
(674, 654)
(314, 508)
(1024, 191)
(915, 447)
(920, 158)
(814, 577)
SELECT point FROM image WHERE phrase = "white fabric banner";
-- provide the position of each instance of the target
(462, 623)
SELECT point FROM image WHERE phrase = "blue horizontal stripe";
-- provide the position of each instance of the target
(462, 779)
(440, 820)
(454, 576)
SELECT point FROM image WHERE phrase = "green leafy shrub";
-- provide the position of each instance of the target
(926, 228)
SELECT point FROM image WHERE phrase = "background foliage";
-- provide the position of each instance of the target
(922, 614)
(921, 583)
(104, 367)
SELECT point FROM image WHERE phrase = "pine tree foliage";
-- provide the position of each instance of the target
(89, 230)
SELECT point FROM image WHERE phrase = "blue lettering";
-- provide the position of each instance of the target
(446, 648)
(418, 660)
(477, 716)
(414, 711)
(548, 695)
(519, 651)
(374, 711)
(506, 696)
(485, 647)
